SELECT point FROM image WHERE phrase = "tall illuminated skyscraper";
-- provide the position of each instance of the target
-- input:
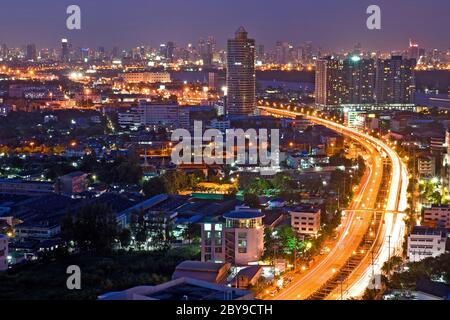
(31, 52)
(241, 77)
(64, 50)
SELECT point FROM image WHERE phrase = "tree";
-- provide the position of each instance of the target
(251, 199)
(271, 245)
(291, 243)
(191, 232)
(92, 228)
(154, 187)
(139, 228)
(282, 182)
(125, 238)
(391, 264)
(122, 170)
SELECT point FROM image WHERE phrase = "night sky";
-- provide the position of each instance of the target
(332, 24)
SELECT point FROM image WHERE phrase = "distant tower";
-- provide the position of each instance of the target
(64, 50)
(31, 52)
(170, 50)
(241, 77)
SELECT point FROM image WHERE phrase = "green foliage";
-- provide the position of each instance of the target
(251, 199)
(172, 183)
(92, 228)
(392, 264)
(435, 269)
(154, 186)
(192, 232)
(150, 232)
(46, 280)
(121, 170)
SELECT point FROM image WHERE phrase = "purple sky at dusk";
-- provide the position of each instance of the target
(332, 24)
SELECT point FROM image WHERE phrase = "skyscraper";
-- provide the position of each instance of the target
(331, 87)
(170, 47)
(206, 51)
(64, 50)
(241, 77)
(364, 81)
(395, 82)
(360, 80)
(31, 52)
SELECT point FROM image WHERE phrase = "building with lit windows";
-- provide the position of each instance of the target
(437, 216)
(241, 76)
(360, 82)
(305, 220)
(426, 166)
(3, 252)
(425, 242)
(65, 51)
(349, 81)
(146, 77)
(395, 81)
(212, 241)
(238, 238)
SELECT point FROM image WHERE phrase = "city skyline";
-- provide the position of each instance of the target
(266, 22)
(199, 150)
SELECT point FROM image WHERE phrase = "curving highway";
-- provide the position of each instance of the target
(356, 222)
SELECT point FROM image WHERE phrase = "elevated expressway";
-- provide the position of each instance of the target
(357, 220)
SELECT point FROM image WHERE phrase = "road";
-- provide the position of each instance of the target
(356, 224)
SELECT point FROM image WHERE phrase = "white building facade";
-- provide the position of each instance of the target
(424, 242)
(238, 240)
(306, 220)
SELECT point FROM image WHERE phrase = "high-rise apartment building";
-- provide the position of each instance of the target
(330, 82)
(65, 50)
(360, 80)
(31, 52)
(364, 81)
(241, 77)
(395, 82)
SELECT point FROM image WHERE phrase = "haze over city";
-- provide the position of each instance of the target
(206, 151)
(331, 24)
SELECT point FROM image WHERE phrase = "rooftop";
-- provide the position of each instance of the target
(244, 214)
(180, 289)
(308, 209)
(426, 231)
(200, 266)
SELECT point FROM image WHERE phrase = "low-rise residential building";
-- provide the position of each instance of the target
(426, 167)
(3, 252)
(146, 77)
(238, 240)
(244, 236)
(205, 271)
(212, 241)
(23, 187)
(306, 161)
(72, 183)
(437, 217)
(425, 242)
(305, 220)
(37, 231)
